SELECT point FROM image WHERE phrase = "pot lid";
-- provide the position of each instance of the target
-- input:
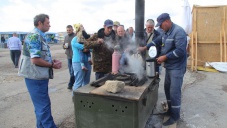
(152, 52)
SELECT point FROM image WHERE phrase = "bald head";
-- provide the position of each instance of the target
(120, 31)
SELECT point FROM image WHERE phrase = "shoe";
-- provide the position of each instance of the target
(69, 87)
(16, 66)
(170, 121)
(168, 113)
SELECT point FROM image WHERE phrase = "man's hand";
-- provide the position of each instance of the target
(100, 41)
(142, 48)
(86, 50)
(161, 59)
(57, 64)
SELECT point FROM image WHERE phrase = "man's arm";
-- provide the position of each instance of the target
(64, 47)
(93, 44)
(20, 44)
(56, 64)
(156, 42)
(40, 62)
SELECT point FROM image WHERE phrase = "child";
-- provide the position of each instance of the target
(81, 36)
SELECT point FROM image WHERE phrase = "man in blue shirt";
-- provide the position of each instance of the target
(15, 46)
(36, 54)
(173, 44)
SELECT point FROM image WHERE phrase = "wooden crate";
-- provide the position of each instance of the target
(208, 37)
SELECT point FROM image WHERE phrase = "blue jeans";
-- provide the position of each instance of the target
(71, 73)
(38, 90)
(82, 56)
(172, 85)
(82, 77)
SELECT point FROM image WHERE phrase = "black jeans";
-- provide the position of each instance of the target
(15, 56)
(99, 75)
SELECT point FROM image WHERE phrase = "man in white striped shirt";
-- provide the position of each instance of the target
(14, 44)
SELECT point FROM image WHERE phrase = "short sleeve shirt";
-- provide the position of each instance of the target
(34, 45)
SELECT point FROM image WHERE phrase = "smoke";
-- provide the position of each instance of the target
(135, 62)
(109, 44)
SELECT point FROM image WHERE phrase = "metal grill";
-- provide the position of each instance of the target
(130, 79)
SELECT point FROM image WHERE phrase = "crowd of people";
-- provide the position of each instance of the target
(170, 41)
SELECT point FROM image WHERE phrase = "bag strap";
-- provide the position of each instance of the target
(149, 37)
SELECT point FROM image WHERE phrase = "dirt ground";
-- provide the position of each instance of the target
(204, 97)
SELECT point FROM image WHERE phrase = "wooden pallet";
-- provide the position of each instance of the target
(208, 41)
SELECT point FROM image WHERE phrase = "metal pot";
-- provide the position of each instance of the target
(150, 67)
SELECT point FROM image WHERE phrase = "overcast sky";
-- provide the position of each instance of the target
(17, 15)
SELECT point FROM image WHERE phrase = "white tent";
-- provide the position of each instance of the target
(186, 17)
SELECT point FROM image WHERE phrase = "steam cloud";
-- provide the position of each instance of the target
(134, 60)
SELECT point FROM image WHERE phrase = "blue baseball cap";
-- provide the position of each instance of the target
(108, 23)
(162, 18)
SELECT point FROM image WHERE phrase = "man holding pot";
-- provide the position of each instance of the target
(174, 56)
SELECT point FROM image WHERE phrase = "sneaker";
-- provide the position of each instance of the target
(170, 121)
(166, 113)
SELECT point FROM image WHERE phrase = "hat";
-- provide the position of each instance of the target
(108, 23)
(116, 23)
(162, 18)
(77, 26)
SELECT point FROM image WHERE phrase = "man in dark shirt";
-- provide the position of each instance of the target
(69, 53)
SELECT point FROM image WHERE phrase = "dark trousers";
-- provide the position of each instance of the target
(99, 75)
(71, 73)
(15, 56)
